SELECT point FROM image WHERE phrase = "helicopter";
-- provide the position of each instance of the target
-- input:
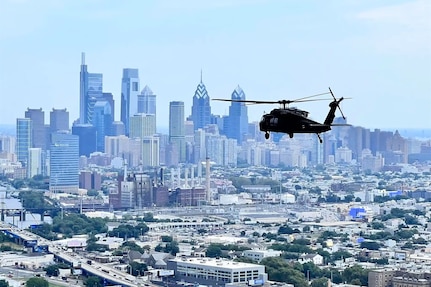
(291, 120)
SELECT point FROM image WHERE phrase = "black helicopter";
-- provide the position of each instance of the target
(293, 120)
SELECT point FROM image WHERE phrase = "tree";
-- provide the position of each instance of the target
(320, 282)
(4, 283)
(36, 282)
(136, 268)
(213, 251)
(52, 270)
(356, 272)
(370, 245)
(377, 225)
(92, 192)
(166, 238)
(93, 281)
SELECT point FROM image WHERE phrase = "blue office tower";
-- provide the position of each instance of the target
(129, 96)
(64, 163)
(102, 121)
(147, 102)
(201, 109)
(236, 124)
(24, 137)
(90, 90)
(87, 138)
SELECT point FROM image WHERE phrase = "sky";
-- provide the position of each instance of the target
(377, 53)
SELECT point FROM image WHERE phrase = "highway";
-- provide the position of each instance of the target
(112, 275)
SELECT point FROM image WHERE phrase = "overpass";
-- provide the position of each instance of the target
(110, 275)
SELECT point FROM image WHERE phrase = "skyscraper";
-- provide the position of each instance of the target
(24, 135)
(102, 121)
(87, 138)
(90, 90)
(59, 120)
(236, 124)
(109, 97)
(64, 163)
(201, 109)
(34, 166)
(37, 117)
(147, 101)
(142, 125)
(177, 128)
(129, 96)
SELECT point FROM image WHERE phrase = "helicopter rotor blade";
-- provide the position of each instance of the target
(338, 102)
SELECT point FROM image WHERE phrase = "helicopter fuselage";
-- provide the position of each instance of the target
(290, 121)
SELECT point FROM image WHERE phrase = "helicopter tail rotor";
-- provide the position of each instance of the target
(337, 102)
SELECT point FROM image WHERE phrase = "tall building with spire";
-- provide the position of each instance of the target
(201, 109)
(147, 101)
(129, 96)
(236, 124)
(90, 90)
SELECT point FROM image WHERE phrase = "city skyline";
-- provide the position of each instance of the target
(379, 54)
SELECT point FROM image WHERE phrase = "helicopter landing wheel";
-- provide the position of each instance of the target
(267, 135)
(291, 135)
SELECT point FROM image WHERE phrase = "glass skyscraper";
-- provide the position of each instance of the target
(102, 121)
(201, 109)
(147, 101)
(236, 124)
(64, 163)
(129, 96)
(87, 135)
(90, 90)
(24, 135)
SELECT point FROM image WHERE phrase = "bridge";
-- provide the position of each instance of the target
(110, 275)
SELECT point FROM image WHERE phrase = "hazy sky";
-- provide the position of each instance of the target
(376, 52)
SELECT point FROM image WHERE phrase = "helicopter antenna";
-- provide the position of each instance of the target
(338, 106)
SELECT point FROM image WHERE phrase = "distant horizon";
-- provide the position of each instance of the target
(422, 133)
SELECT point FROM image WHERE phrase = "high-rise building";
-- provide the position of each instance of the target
(59, 120)
(142, 125)
(37, 117)
(87, 138)
(147, 101)
(109, 97)
(150, 151)
(24, 135)
(90, 90)
(129, 96)
(236, 124)
(64, 163)
(7, 144)
(118, 128)
(201, 109)
(177, 128)
(34, 166)
(102, 121)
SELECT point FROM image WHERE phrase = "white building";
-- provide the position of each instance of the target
(215, 272)
(258, 255)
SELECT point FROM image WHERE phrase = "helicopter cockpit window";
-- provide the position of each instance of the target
(274, 121)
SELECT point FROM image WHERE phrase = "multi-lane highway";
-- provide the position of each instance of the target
(108, 273)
